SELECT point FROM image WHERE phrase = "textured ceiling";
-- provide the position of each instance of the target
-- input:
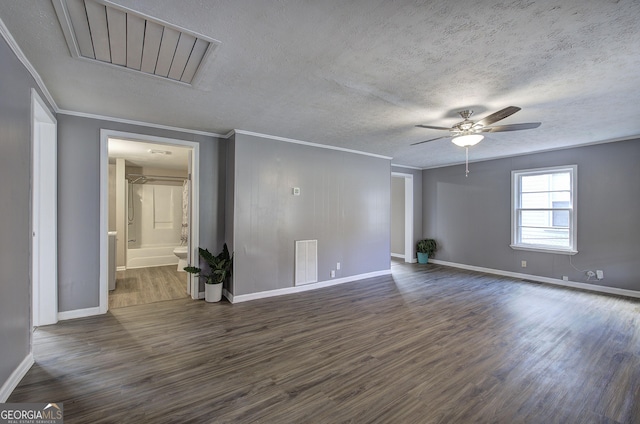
(360, 74)
(157, 156)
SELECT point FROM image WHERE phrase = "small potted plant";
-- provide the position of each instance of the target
(426, 248)
(220, 267)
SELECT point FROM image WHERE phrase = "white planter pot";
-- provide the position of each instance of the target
(213, 292)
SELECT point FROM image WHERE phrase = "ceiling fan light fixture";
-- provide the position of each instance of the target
(467, 140)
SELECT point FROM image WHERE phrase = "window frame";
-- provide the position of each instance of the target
(516, 179)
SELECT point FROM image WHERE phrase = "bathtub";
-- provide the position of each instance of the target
(143, 257)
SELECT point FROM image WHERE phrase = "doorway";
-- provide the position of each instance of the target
(402, 240)
(44, 245)
(149, 188)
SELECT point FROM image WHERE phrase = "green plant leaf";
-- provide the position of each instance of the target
(192, 269)
(219, 266)
(428, 246)
(206, 255)
(225, 253)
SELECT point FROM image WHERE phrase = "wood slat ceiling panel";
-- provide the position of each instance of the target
(119, 36)
(167, 49)
(78, 16)
(197, 54)
(180, 58)
(117, 21)
(152, 39)
(97, 16)
(135, 38)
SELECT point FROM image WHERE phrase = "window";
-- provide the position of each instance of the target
(543, 216)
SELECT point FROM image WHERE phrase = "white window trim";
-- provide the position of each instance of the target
(572, 215)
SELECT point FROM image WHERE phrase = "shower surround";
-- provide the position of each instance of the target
(154, 216)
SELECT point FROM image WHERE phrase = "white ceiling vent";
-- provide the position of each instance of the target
(102, 31)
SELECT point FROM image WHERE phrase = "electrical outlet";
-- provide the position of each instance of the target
(523, 264)
(338, 266)
(333, 273)
(565, 278)
(599, 274)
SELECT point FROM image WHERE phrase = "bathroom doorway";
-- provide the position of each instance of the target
(150, 218)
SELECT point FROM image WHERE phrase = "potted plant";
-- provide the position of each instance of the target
(220, 267)
(426, 248)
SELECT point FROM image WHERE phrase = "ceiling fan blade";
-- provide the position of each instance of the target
(433, 139)
(433, 128)
(512, 127)
(497, 116)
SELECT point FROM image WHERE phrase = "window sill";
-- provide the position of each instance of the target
(544, 249)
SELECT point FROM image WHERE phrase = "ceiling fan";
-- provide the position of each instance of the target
(469, 133)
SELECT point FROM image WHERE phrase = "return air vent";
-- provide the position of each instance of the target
(306, 271)
(111, 34)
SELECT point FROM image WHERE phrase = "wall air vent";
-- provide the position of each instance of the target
(101, 31)
(306, 262)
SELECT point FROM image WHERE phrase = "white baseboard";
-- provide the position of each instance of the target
(548, 280)
(16, 376)
(80, 313)
(397, 255)
(121, 268)
(411, 261)
(306, 287)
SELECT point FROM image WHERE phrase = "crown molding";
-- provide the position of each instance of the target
(307, 143)
(551, 149)
(139, 123)
(13, 45)
(406, 166)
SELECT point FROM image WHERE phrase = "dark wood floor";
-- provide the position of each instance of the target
(148, 285)
(429, 345)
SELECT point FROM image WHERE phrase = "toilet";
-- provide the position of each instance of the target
(181, 253)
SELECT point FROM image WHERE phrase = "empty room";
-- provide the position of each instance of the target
(292, 212)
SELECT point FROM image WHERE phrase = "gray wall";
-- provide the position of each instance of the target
(417, 203)
(397, 215)
(344, 204)
(471, 218)
(79, 202)
(15, 211)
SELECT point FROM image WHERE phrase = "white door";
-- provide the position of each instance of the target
(44, 266)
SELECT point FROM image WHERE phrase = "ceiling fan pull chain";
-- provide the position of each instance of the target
(467, 162)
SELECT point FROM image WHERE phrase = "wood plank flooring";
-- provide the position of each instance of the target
(147, 285)
(429, 344)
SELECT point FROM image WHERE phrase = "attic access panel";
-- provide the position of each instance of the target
(110, 34)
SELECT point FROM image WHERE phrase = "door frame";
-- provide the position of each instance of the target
(44, 216)
(194, 228)
(409, 244)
